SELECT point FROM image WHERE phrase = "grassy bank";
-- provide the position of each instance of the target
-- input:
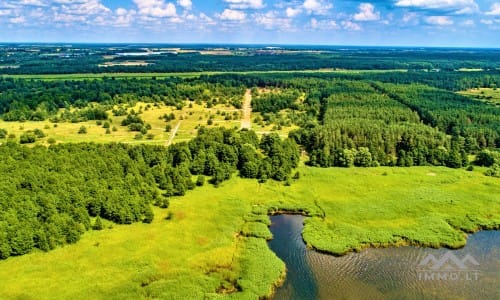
(212, 242)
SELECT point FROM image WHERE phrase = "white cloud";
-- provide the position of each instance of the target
(494, 10)
(367, 13)
(156, 8)
(318, 7)
(5, 12)
(186, 4)
(487, 22)
(468, 23)
(17, 20)
(245, 4)
(439, 20)
(31, 2)
(458, 6)
(411, 18)
(323, 24)
(348, 25)
(271, 20)
(232, 15)
(293, 12)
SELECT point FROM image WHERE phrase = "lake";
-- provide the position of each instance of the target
(472, 272)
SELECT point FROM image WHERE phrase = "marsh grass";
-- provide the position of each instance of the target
(214, 243)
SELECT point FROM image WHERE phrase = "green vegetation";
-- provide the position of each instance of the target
(211, 243)
(154, 201)
(49, 194)
(47, 59)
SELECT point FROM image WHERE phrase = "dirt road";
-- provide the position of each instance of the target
(246, 119)
(174, 132)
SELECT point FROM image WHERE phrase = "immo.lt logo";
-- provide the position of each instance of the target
(448, 267)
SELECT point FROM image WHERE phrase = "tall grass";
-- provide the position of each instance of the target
(213, 244)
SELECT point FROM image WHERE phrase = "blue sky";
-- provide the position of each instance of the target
(471, 23)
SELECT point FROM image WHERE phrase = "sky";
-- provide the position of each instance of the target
(450, 23)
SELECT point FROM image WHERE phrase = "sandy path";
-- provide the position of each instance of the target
(174, 132)
(246, 119)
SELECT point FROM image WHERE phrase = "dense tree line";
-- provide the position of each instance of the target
(49, 195)
(89, 59)
(368, 124)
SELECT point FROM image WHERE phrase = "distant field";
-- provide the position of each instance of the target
(488, 95)
(184, 74)
(213, 239)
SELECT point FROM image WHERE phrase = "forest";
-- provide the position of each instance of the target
(47, 59)
(51, 196)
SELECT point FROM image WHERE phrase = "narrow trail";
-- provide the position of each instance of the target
(174, 132)
(246, 119)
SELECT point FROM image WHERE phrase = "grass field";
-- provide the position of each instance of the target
(488, 95)
(213, 243)
(190, 117)
(183, 74)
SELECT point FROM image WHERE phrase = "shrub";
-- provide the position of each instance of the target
(27, 138)
(39, 133)
(82, 130)
(3, 133)
(200, 181)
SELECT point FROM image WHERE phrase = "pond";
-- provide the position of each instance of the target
(472, 272)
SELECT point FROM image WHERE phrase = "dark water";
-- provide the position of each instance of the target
(390, 273)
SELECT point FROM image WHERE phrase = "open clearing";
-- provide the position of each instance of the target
(488, 95)
(192, 116)
(202, 247)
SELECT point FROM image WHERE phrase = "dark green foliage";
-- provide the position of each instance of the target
(82, 130)
(148, 215)
(39, 133)
(27, 138)
(98, 224)
(274, 102)
(200, 180)
(487, 158)
(3, 133)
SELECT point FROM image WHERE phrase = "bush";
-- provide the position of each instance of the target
(200, 181)
(51, 141)
(3, 133)
(39, 133)
(98, 224)
(27, 138)
(82, 130)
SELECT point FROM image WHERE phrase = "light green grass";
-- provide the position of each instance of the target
(215, 240)
(190, 117)
(488, 95)
(82, 76)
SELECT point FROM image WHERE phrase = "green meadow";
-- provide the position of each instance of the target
(211, 243)
(84, 76)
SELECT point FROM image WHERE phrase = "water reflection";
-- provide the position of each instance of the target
(391, 273)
